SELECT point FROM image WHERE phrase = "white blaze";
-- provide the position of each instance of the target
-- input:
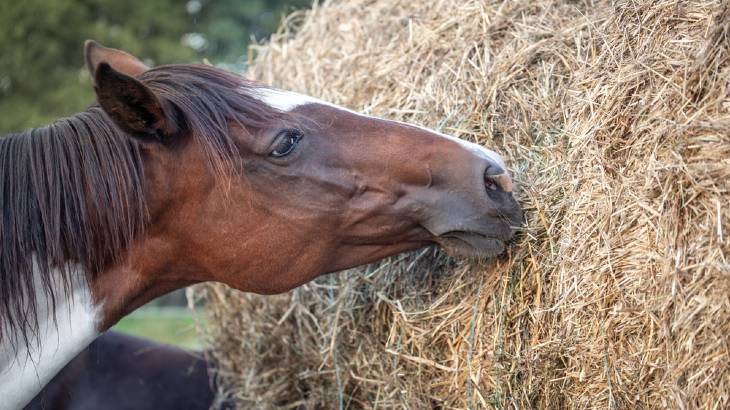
(24, 373)
(287, 101)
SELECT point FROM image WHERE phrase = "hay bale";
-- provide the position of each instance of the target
(614, 118)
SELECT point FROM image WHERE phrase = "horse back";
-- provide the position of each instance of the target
(120, 372)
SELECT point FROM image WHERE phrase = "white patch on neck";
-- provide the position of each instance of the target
(23, 373)
(286, 101)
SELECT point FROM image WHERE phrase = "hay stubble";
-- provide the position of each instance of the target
(615, 119)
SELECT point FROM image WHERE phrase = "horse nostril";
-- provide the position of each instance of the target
(496, 177)
(490, 183)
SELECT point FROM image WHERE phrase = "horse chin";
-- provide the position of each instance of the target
(471, 244)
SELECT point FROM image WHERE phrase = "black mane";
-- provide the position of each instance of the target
(73, 191)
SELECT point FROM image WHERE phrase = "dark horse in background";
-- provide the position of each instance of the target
(186, 173)
(120, 372)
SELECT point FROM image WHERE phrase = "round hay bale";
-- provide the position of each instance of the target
(615, 119)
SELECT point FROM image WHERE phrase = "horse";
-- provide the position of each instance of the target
(118, 371)
(185, 173)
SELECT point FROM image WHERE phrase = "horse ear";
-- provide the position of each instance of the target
(95, 53)
(133, 106)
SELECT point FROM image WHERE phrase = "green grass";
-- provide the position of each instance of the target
(175, 326)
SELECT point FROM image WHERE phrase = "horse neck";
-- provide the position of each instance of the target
(51, 256)
(26, 367)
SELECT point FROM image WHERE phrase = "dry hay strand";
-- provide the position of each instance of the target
(615, 120)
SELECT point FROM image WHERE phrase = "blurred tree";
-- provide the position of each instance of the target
(42, 75)
(226, 23)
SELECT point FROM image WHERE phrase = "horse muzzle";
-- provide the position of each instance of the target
(476, 214)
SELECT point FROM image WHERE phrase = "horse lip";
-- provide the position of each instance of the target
(502, 233)
(472, 243)
(469, 234)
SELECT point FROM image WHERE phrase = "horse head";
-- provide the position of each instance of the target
(265, 189)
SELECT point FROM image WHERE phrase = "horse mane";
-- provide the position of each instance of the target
(72, 192)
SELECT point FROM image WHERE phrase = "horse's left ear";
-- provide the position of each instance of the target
(125, 63)
(133, 106)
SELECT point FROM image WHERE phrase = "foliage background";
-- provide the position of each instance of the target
(42, 75)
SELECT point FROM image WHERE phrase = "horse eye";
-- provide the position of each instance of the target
(287, 141)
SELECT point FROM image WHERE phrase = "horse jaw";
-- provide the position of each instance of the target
(25, 370)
